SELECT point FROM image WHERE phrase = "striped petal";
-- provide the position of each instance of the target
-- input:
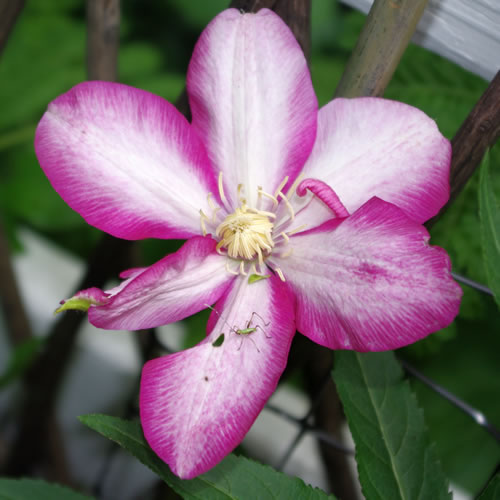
(126, 160)
(252, 101)
(370, 282)
(375, 147)
(197, 405)
(175, 287)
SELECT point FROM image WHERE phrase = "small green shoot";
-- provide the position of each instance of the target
(253, 278)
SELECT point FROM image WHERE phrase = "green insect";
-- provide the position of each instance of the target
(243, 332)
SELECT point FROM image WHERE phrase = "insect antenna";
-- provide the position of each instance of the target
(220, 316)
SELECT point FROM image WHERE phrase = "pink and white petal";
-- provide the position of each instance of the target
(197, 405)
(370, 282)
(126, 160)
(252, 101)
(175, 287)
(132, 272)
(375, 147)
(127, 276)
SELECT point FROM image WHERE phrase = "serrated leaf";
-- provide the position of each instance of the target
(394, 457)
(30, 489)
(234, 478)
(490, 228)
(492, 491)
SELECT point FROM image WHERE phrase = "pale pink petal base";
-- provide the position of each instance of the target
(197, 405)
(370, 282)
(175, 287)
(126, 160)
(252, 101)
(369, 147)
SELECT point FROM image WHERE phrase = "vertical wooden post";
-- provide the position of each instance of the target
(387, 31)
(103, 37)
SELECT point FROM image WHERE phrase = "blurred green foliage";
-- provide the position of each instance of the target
(45, 56)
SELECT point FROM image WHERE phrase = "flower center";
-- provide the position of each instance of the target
(246, 234)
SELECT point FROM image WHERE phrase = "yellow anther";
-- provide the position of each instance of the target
(286, 254)
(297, 229)
(230, 271)
(245, 233)
(293, 187)
(267, 195)
(261, 260)
(218, 248)
(281, 186)
(287, 203)
(242, 268)
(210, 201)
(279, 272)
(260, 212)
(203, 219)
(284, 236)
(221, 191)
(242, 200)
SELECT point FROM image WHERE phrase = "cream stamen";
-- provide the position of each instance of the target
(229, 270)
(202, 220)
(279, 272)
(284, 236)
(242, 268)
(267, 195)
(221, 191)
(287, 203)
(281, 186)
(297, 229)
(246, 234)
(293, 187)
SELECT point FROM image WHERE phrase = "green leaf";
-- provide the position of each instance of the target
(490, 228)
(30, 489)
(492, 491)
(218, 341)
(234, 478)
(19, 360)
(26, 194)
(477, 383)
(395, 459)
(198, 13)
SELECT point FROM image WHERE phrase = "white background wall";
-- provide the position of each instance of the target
(465, 31)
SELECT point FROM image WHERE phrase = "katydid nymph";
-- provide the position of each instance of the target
(243, 332)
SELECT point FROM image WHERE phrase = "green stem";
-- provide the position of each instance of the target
(387, 31)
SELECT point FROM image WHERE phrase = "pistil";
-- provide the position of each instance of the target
(246, 235)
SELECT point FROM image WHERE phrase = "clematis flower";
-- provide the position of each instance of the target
(294, 219)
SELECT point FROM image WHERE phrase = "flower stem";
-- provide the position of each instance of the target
(9, 10)
(479, 132)
(103, 35)
(44, 377)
